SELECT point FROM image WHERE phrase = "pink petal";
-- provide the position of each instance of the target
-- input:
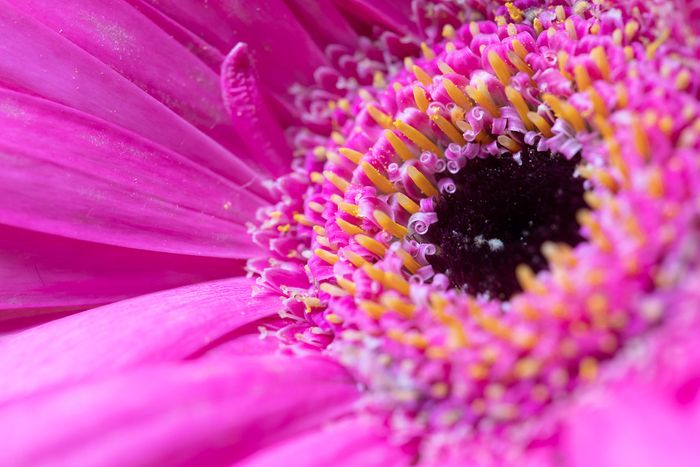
(40, 272)
(129, 43)
(69, 75)
(323, 21)
(351, 442)
(66, 173)
(391, 14)
(283, 52)
(243, 96)
(160, 327)
(200, 413)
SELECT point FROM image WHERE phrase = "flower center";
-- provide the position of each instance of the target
(501, 212)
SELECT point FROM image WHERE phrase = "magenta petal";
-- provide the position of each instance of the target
(68, 174)
(323, 21)
(283, 52)
(351, 442)
(200, 413)
(121, 37)
(391, 14)
(79, 80)
(40, 272)
(163, 326)
(259, 129)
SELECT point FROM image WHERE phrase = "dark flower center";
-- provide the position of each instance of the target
(501, 213)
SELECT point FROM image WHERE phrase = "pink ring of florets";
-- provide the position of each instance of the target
(344, 237)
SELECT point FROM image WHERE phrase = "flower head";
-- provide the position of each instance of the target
(484, 236)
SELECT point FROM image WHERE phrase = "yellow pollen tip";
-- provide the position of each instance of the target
(421, 99)
(422, 182)
(399, 146)
(527, 279)
(422, 76)
(339, 182)
(445, 68)
(333, 290)
(334, 319)
(371, 244)
(407, 203)
(519, 63)
(519, 49)
(349, 286)
(379, 180)
(481, 96)
(316, 177)
(600, 58)
(500, 67)
(583, 80)
(373, 310)
(326, 256)
(349, 208)
(427, 51)
(654, 46)
(456, 94)
(520, 106)
(418, 138)
(542, 125)
(303, 220)
(448, 31)
(380, 117)
(508, 143)
(397, 230)
(348, 228)
(565, 111)
(516, 14)
(352, 155)
(448, 128)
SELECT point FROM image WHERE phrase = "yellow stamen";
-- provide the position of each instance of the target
(380, 117)
(397, 230)
(349, 208)
(339, 182)
(508, 143)
(374, 273)
(422, 182)
(407, 203)
(420, 98)
(445, 68)
(565, 111)
(682, 80)
(357, 260)
(396, 282)
(427, 51)
(519, 63)
(373, 310)
(347, 285)
(326, 256)
(303, 220)
(319, 230)
(379, 180)
(399, 146)
(519, 49)
(458, 337)
(371, 244)
(528, 281)
(316, 207)
(654, 46)
(541, 124)
(448, 31)
(631, 29)
(334, 319)
(655, 183)
(333, 290)
(422, 76)
(583, 81)
(351, 154)
(563, 58)
(447, 128)
(622, 98)
(456, 94)
(418, 138)
(520, 106)
(348, 228)
(402, 307)
(408, 261)
(323, 241)
(499, 67)
(481, 96)
(588, 369)
(599, 107)
(537, 24)
(641, 142)
(570, 29)
(601, 60)
(316, 177)
(511, 29)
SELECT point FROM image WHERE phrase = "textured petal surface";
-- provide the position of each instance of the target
(44, 273)
(66, 173)
(199, 413)
(70, 75)
(164, 326)
(346, 443)
(284, 53)
(129, 43)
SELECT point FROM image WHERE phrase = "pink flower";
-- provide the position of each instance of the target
(470, 233)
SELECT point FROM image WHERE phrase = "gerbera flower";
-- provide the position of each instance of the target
(477, 243)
